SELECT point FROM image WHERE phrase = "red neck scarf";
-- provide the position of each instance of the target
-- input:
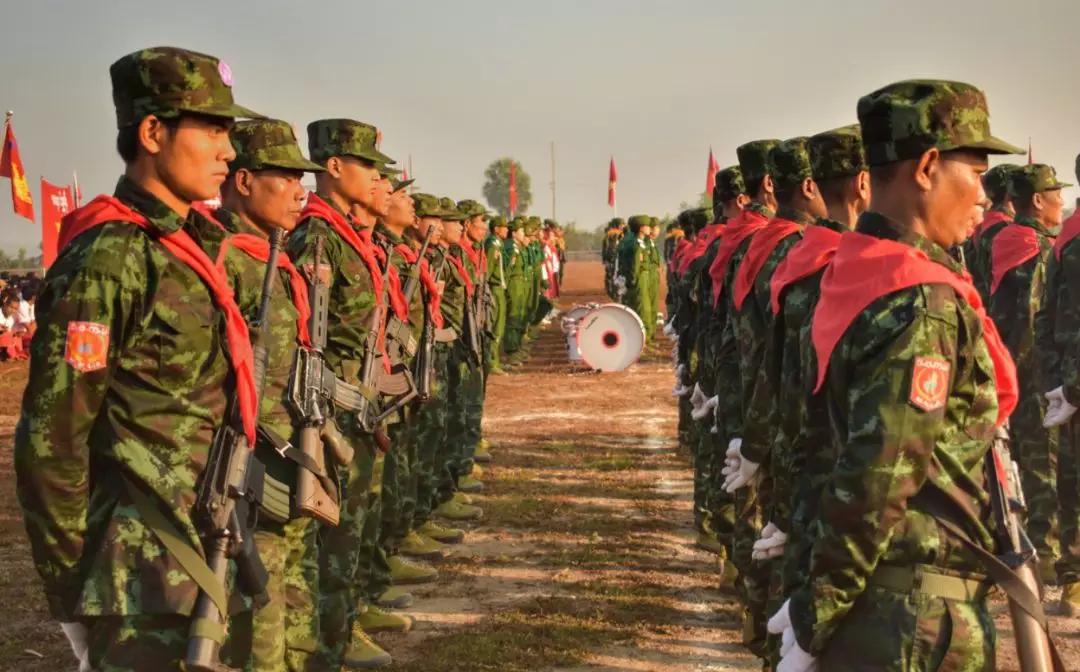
(680, 247)
(479, 261)
(865, 269)
(427, 279)
(462, 274)
(1012, 246)
(1069, 229)
(700, 246)
(758, 253)
(808, 256)
(393, 278)
(745, 224)
(993, 217)
(181, 245)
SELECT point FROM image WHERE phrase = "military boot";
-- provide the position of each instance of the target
(455, 511)
(363, 653)
(416, 545)
(469, 483)
(405, 572)
(483, 453)
(375, 619)
(1047, 572)
(1070, 599)
(461, 498)
(445, 535)
(395, 597)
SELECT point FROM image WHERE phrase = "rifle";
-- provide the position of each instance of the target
(1034, 649)
(398, 329)
(425, 360)
(314, 392)
(470, 324)
(371, 416)
(226, 503)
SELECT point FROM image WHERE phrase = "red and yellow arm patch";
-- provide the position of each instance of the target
(87, 346)
(930, 383)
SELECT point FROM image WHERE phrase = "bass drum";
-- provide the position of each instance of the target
(610, 338)
(570, 326)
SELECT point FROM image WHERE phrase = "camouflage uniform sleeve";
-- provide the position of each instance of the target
(728, 387)
(62, 400)
(761, 416)
(1057, 325)
(885, 454)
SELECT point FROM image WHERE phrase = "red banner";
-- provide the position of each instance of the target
(710, 176)
(55, 203)
(513, 187)
(11, 167)
(612, 178)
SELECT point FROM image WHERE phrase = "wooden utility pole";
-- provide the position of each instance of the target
(553, 180)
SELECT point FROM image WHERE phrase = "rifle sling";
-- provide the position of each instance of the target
(177, 544)
(1002, 574)
(291, 452)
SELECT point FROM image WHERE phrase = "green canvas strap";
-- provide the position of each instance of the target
(178, 546)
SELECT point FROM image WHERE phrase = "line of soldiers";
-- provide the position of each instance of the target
(238, 450)
(632, 266)
(845, 388)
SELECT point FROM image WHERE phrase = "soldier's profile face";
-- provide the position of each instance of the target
(401, 210)
(954, 202)
(434, 223)
(276, 197)
(452, 231)
(359, 180)
(193, 161)
(380, 204)
(1053, 207)
(501, 231)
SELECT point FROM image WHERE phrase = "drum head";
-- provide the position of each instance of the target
(610, 338)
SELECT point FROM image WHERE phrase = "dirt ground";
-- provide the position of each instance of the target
(584, 560)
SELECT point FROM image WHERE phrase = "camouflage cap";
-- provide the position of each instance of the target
(550, 224)
(472, 208)
(428, 206)
(791, 162)
(386, 170)
(167, 81)
(637, 221)
(729, 184)
(837, 153)
(996, 180)
(532, 225)
(267, 143)
(1034, 179)
(697, 219)
(515, 224)
(344, 137)
(451, 211)
(496, 222)
(398, 185)
(755, 159)
(905, 119)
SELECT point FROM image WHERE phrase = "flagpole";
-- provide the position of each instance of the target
(77, 196)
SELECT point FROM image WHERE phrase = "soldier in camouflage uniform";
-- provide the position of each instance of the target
(517, 285)
(346, 148)
(538, 303)
(977, 246)
(263, 193)
(916, 380)
(496, 280)
(609, 253)
(130, 374)
(737, 357)
(1017, 279)
(1057, 339)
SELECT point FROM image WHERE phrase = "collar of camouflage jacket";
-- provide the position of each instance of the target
(1069, 229)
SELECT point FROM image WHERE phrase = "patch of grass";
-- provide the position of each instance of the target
(610, 463)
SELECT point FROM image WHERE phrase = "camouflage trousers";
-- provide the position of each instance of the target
(894, 632)
(754, 576)
(719, 504)
(464, 410)
(1068, 488)
(282, 636)
(399, 483)
(345, 553)
(429, 436)
(1036, 451)
(514, 331)
(497, 329)
(155, 642)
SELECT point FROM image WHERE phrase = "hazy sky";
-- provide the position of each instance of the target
(457, 84)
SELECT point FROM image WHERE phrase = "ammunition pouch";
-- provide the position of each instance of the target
(277, 502)
(445, 335)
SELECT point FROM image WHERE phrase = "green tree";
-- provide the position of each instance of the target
(497, 187)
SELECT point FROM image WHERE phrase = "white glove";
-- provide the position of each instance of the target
(738, 471)
(707, 407)
(680, 371)
(770, 544)
(77, 635)
(1060, 410)
(669, 328)
(680, 390)
(792, 656)
(696, 400)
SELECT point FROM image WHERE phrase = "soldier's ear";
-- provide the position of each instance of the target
(862, 186)
(925, 167)
(333, 166)
(767, 184)
(809, 189)
(152, 134)
(742, 200)
(242, 180)
(1038, 201)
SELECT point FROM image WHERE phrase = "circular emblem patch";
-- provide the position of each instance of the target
(226, 72)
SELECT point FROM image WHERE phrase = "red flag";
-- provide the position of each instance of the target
(55, 203)
(11, 167)
(710, 176)
(513, 188)
(612, 178)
